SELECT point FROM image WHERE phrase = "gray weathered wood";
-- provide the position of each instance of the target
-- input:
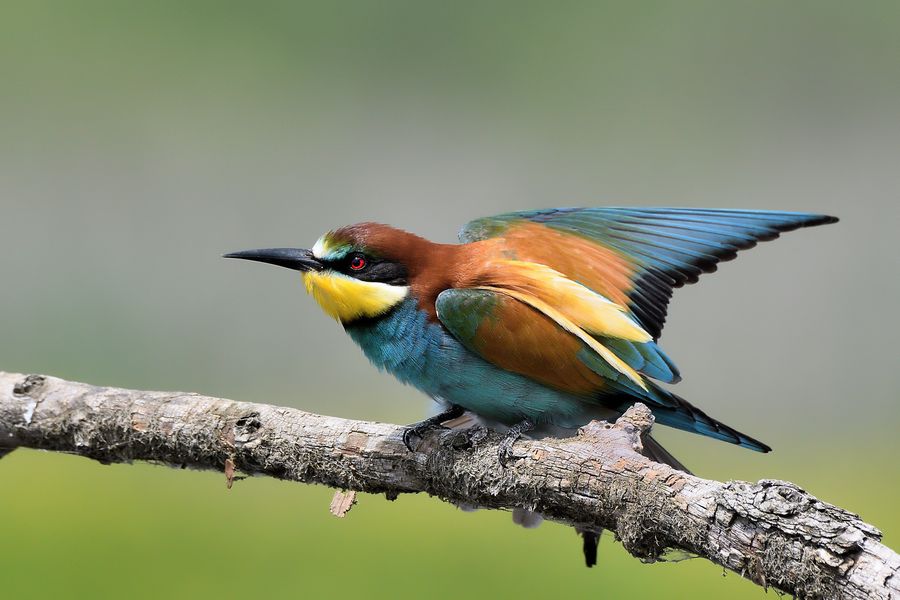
(771, 532)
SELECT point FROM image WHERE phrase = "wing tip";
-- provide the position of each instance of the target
(826, 219)
(809, 220)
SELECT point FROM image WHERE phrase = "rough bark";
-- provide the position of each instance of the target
(771, 532)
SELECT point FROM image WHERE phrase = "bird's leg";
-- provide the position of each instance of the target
(417, 430)
(506, 454)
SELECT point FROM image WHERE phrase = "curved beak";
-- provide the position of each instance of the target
(291, 258)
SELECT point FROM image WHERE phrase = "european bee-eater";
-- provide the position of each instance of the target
(539, 320)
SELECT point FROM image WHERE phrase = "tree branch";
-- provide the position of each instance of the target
(771, 532)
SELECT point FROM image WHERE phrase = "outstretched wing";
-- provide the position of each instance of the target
(635, 257)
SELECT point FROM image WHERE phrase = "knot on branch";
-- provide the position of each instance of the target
(781, 498)
(24, 388)
(31, 383)
(245, 428)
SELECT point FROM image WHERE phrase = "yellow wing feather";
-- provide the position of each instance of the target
(592, 312)
(574, 329)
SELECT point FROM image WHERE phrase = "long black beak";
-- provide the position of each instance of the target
(291, 258)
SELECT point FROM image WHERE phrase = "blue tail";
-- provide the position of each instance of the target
(677, 412)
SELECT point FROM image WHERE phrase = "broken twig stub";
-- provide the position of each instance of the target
(342, 502)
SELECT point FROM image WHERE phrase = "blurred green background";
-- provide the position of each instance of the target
(140, 140)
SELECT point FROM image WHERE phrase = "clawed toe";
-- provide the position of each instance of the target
(417, 432)
(506, 455)
(408, 434)
(505, 452)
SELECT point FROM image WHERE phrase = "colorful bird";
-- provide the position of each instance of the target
(538, 321)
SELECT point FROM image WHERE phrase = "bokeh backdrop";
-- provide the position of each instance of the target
(141, 140)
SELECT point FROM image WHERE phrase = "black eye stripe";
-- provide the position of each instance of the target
(383, 272)
(374, 269)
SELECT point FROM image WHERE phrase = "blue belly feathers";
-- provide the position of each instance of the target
(422, 354)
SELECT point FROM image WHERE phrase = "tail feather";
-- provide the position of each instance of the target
(675, 411)
(589, 542)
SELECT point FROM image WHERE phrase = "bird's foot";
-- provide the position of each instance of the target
(505, 453)
(418, 430)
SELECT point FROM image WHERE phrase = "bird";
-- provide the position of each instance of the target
(536, 322)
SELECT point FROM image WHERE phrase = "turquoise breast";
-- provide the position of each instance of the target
(423, 354)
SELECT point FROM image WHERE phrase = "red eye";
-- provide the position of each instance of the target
(357, 263)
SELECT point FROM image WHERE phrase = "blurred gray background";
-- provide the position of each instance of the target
(140, 141)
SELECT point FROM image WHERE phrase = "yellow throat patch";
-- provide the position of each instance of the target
(347, 299)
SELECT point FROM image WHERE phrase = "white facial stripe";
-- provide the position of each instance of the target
(324, 249)
(319, 249)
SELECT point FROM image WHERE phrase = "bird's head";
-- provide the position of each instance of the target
(356, 272)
